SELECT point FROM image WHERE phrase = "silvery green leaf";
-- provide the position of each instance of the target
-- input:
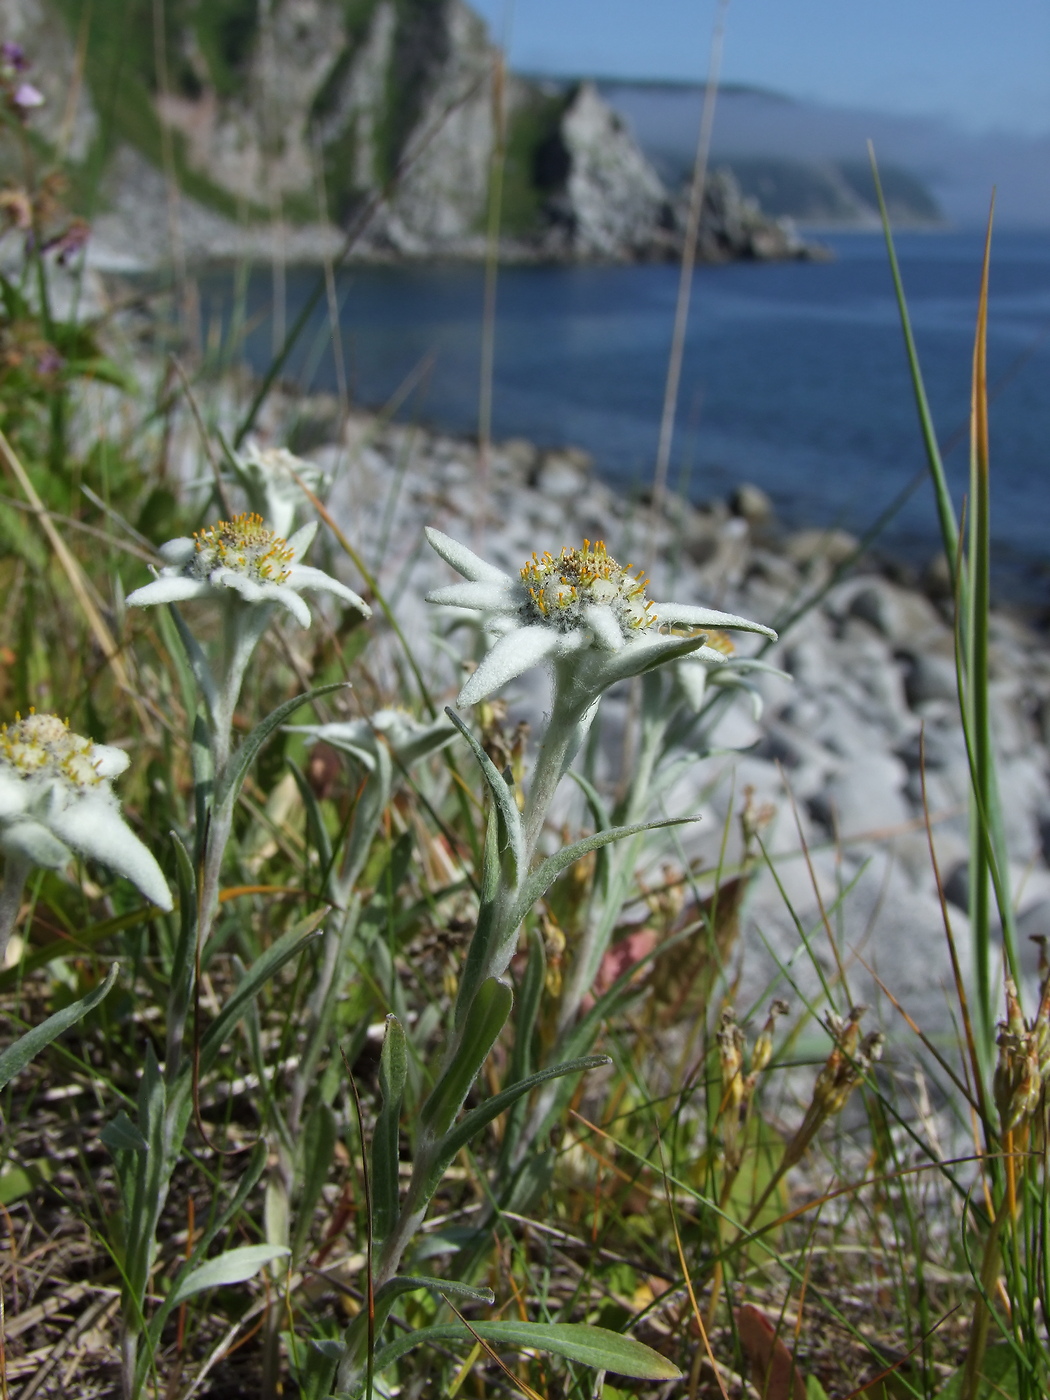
(235, 1266)
(121, 1135)
(597, 1347)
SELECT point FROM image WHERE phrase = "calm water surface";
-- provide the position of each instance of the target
(794, 374)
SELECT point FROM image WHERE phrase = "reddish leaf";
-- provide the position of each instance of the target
(773, 1369)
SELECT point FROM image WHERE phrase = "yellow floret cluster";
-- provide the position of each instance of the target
(559, 588)
(45, 746)
(716, 640)
(244, 544)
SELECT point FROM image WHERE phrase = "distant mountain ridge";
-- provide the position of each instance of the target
(957, 167)
(834, 194)
(815, 193)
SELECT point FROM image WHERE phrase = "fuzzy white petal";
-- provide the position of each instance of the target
(499, 624)
(350, 731)
(568, 643)
(710, 656)
(14, 794)
(513, 654)
(93, 826)
(109, 761)
(747, 663)
(303, 539)
(249, 588)
(169, 588)
(688, 616)
(364, 750)
(464, 560)
(177, 552)
(639, 656)
(253, 592)
(32, 839)
(486, 597)
(304, 576)
(693, 680)
(602, 622)
(287, 597)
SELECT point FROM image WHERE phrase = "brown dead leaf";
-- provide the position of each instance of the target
(773, 1369)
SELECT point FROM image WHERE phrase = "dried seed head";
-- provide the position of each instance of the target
(849, 1060)
(753, 818)
(1024, 1061)
(1040, 940)
(731, 1059)
(763, 1051)
(1014, 1015)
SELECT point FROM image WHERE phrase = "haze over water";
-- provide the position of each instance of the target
(794, 376)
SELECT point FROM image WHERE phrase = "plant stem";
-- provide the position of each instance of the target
(597, 934)
(16, 872)
(575, 703)
(982, 1316)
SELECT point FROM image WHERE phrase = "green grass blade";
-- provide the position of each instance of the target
(15, 1058)
(989, 847)
(945, 509)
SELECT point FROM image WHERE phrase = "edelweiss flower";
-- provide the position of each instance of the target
(243, 556)
(408, 739)
(581, 604)
(695, 674)
(56, 799)
(268, 478)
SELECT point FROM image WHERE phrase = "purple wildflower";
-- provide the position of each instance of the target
(27, 96)
(14, 55)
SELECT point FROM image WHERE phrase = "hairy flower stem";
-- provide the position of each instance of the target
(243, 625)
(573, 709)
(570, 719)
(596, 936)
(16, 872)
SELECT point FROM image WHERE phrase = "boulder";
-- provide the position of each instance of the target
(831, 547)
(929, 677)
(905, 618)
(865, 796)
(752, 504)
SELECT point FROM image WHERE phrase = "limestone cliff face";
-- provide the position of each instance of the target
(283, 121)
(612, 201)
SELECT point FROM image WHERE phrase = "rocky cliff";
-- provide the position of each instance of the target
(272, 126)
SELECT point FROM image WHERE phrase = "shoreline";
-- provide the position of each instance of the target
(396, 313)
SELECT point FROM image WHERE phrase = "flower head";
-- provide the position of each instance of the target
(271, 478)
(26, 96)
(13, 56)
(56, 799)
(584, 586)
(696, 673)
(243, 556)
(407, 738)
(581, 602)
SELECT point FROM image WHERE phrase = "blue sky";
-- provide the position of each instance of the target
(983, 64)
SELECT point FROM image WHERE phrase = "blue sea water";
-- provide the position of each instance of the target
(794, 374)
